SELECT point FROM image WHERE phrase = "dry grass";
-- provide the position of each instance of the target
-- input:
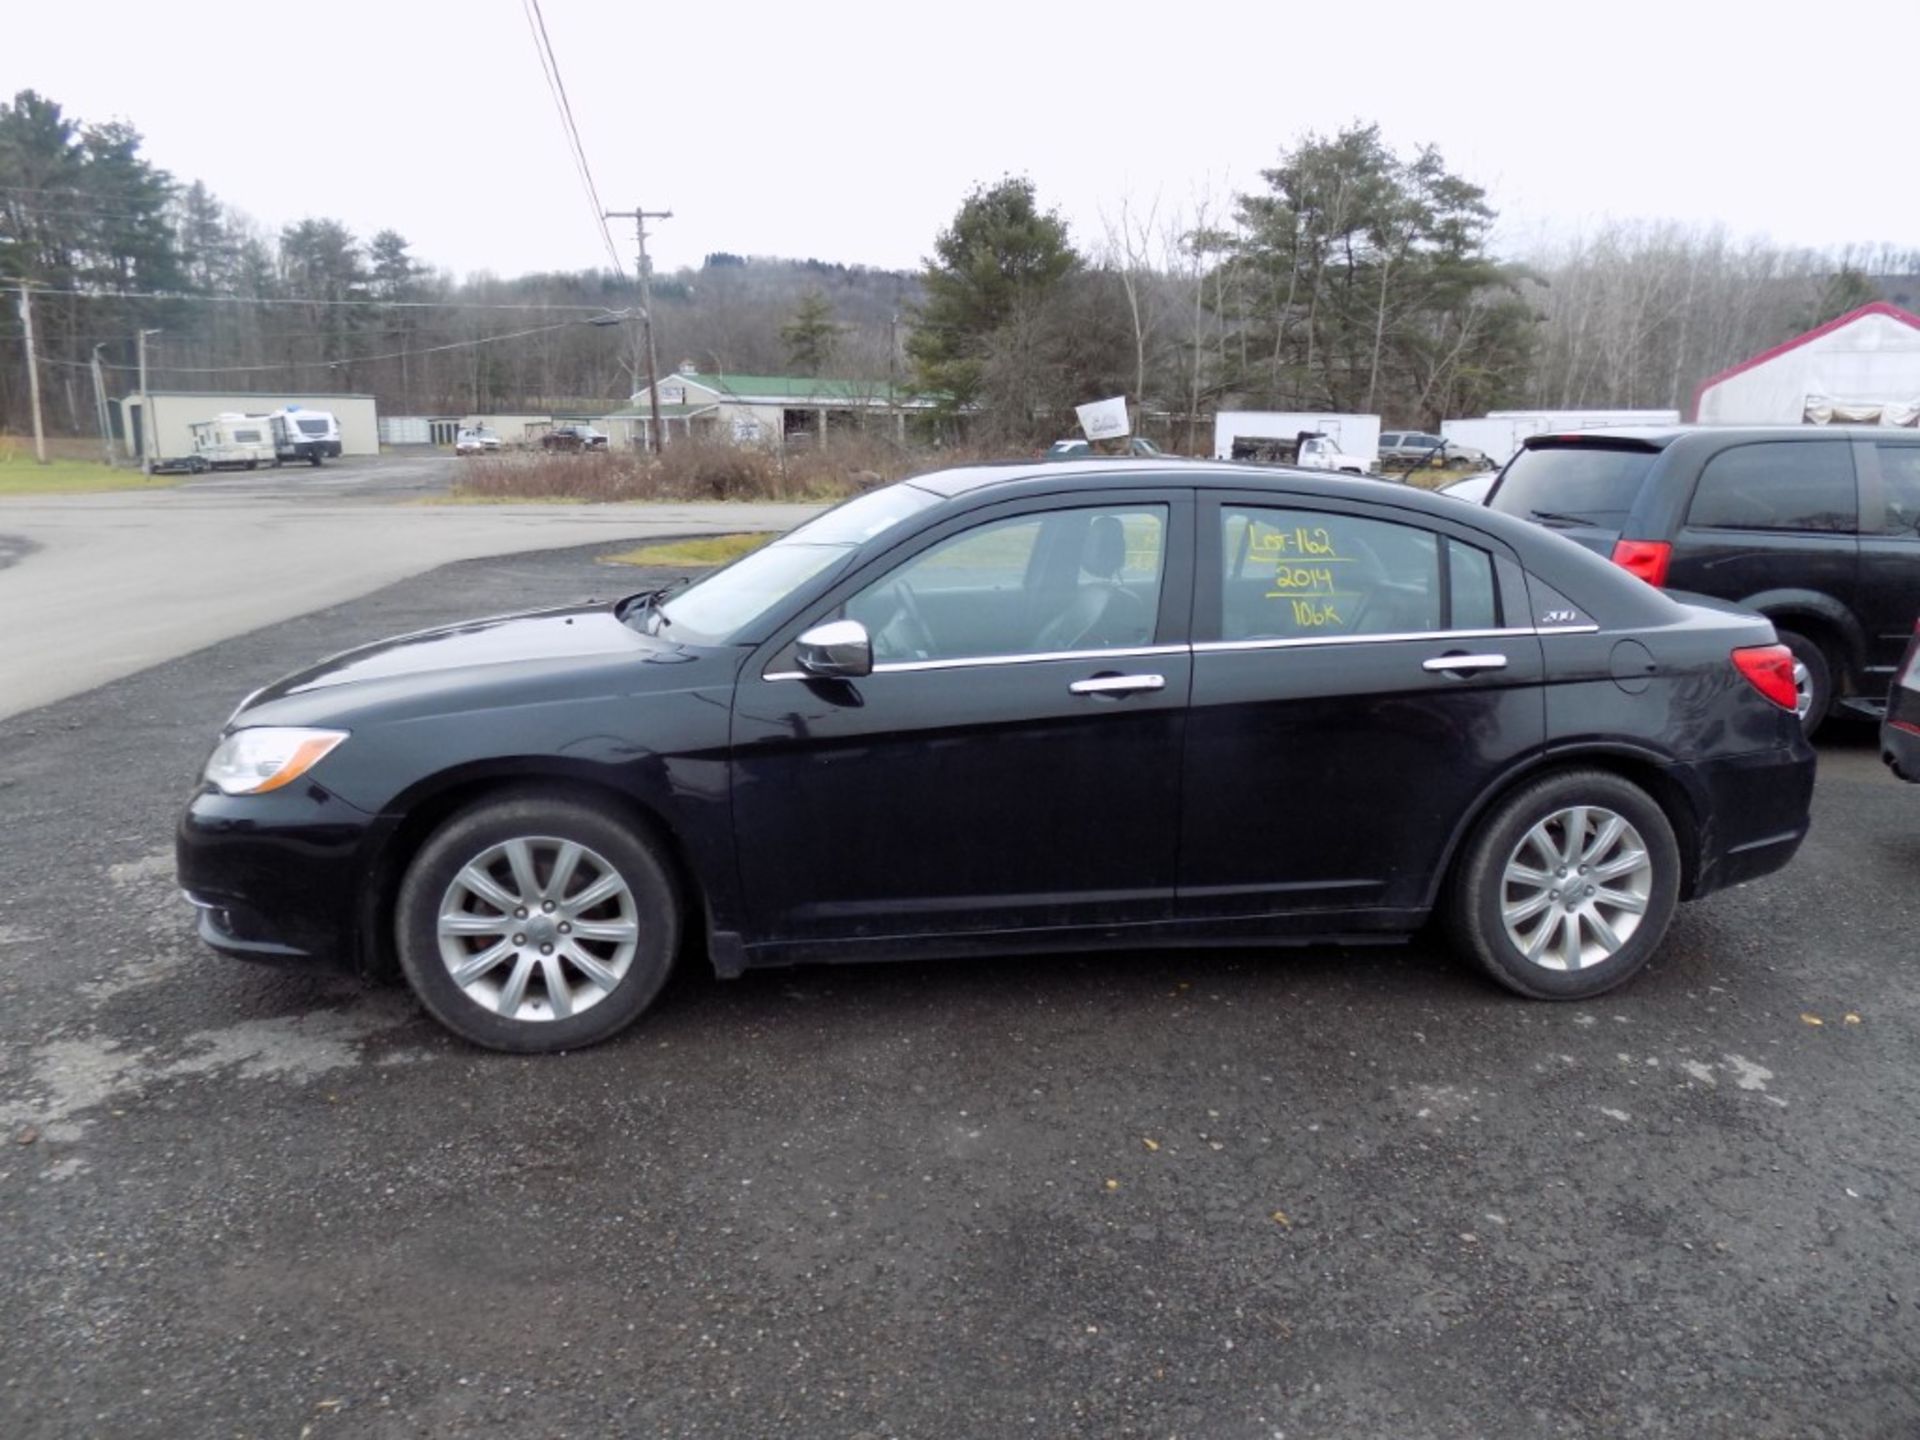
(695, 471)
(701, 550)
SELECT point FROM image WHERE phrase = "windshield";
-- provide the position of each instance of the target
(723, 607)
(1592, 481)
(312, 427)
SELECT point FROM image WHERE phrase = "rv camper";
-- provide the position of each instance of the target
(309, 435)
(233, 441)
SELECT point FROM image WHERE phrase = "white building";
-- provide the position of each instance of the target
(175, 412)
(1863, 368)
(761, 409)
(443, 430)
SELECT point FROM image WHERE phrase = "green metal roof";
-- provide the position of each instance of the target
(667, 412)
(749, 389)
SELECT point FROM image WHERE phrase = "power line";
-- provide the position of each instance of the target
(550, 66)
(31, 210)
(11, 283)
(330, 364)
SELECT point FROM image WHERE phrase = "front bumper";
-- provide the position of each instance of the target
(1759, 810)
(276, 877)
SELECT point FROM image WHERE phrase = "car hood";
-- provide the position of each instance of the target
(473, 655)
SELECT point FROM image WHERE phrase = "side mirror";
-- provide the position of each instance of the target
(837, 650)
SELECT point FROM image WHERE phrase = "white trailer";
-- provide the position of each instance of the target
(1498, 434)
(233, 441)
(1262, 434)
(299, 434)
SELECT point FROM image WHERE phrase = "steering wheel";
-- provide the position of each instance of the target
(915, 632)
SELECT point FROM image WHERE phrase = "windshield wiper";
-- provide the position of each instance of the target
(1563, 517)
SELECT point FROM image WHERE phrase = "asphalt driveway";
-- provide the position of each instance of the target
(1205, 1194)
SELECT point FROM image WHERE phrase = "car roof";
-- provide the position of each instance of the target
(1015, 477)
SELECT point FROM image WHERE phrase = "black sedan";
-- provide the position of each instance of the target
(1009, 709)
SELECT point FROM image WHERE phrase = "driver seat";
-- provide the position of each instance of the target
(1103, 612)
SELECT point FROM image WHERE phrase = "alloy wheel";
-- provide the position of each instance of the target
(1575, 888)
(536, 928)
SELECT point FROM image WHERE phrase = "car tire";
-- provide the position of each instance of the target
(1506, 869)
(1812, 679)
(580, 989)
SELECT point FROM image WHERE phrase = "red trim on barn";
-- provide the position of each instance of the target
(1878, 307)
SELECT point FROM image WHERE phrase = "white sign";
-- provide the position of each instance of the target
(1105, 419)
(673, 394)
(746, 432)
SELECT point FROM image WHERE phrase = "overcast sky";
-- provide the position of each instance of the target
(851, 131)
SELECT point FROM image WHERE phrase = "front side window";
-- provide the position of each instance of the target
(1777, 485)
(1083, 579)
(1900, 478)
(1307, 574)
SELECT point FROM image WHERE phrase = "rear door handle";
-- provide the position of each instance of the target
(1460, 664)
(1118, 684)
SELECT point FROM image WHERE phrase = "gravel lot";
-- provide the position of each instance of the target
(1204, 1194)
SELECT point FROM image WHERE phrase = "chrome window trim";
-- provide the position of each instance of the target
(1303, 641)
(900, 667)
(1204, 647)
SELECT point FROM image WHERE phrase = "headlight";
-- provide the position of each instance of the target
(252, 762)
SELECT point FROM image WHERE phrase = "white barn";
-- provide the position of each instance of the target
(1863, 368)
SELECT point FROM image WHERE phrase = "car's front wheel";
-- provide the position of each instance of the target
(528, 924)
(1567, 887)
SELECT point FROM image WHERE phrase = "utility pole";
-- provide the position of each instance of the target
(33, 373)
(100, 411)
(640, 215)
(146, 408)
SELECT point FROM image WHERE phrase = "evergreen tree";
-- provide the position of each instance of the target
(811, 335)
(1846, 290)
(992, 272)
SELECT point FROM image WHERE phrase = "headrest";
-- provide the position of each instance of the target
(1105, 553)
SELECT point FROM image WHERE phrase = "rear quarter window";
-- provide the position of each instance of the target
(1595, 482)
(1777, 485)
(1900, 478)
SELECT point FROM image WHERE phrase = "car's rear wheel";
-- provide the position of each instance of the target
(1812, 680)
(1567, 887)
(529, 925)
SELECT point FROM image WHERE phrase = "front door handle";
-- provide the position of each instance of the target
(1461, 664)
(1118, 684)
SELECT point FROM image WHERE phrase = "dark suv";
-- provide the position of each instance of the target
(1816, 528)
(573, 437)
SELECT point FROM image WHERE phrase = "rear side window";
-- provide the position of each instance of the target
(1303, 574)
(1777, 485)
(1900, 478)
(1476, 603)
(1598, 483)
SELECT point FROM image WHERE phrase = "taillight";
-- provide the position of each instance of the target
(1645, 558)
(1769, 669)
